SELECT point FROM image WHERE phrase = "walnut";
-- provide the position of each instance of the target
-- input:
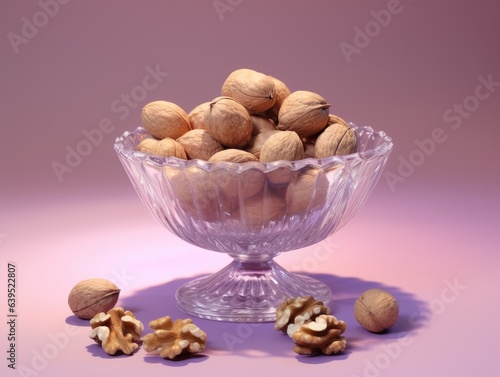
(116, 330)
(165, 119)
(284, 145)
(172, 339)
(376, 310)
(323, 335)
(303, 112)
(294, 312)
(91, 296)
(229, 122)
(254, 90)
(199, 144)
(338, 139)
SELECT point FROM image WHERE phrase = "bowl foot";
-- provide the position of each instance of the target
(246, 292)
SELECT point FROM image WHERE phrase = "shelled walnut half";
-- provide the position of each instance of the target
(294, 312)
(116, 330)
(172, 339)
(323, 335)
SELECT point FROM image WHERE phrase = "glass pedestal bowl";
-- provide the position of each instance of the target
(253, 212)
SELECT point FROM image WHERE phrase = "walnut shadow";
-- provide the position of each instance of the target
(257, 340)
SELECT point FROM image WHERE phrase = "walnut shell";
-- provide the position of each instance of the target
(146, 145)
(285, 145)
(337, 139)
(91, 296)
(281, 91)
(233, 184)
(308, 191)
(199, 144)
(229, 122)
(255, 144)
(257, 211)
(376, 310)
(168, 148)
(198, 116)
(261, 123)
(303, 112)
(252, 89)
(164, 119)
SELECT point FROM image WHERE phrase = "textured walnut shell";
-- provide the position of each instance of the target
(233, 184)
(281, 91)
(255, 144)
(199, 144)
(146, 145)
(284, 145)
(168, 148)
(195, 192)
(303, 112)
(164, 119)
(332, 118)
(261, 123)
(257, 211)
(198, 116)
(336, 140)
(91, 296)
(376, 310)
(229, 122)
(252, 89)
(307, 192)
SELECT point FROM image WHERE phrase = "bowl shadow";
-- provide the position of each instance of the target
(260, 339)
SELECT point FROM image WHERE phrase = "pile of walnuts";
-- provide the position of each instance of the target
(256, 118)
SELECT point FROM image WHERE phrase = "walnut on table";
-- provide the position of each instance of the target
(296, 311)
(323, 335)
(172, 339)
(116, 330)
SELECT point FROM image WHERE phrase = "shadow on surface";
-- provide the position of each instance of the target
(257, 340)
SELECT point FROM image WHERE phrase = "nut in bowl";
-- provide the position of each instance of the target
(211, 205)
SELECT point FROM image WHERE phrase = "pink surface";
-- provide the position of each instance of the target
(428, 75)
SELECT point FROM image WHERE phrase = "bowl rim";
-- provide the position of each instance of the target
(333, 161)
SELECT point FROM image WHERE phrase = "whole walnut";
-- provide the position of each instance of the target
(303, 112)
(199, 144)
(252, 89)
(198, 116)
(164, 119)
(229, 122)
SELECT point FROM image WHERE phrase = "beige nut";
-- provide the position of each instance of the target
(172, 339)
(255, 144)
(116, 331)
(233, 155)
(293, 312)
(233, 183)
(285, 145)
(168, 148)
(304, 112)
(323, 335)
(261, 123)
(164, 119)
(376, 310)
(229, 122)
(198, 116)
(146, 145)
(199, 144)
(336, 140)
(281, 91)
(252, 89)
(91, 296)
(259, 210)
(307, 191)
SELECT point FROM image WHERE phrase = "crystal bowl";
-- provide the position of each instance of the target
(253, 212)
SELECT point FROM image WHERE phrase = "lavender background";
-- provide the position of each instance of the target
(431, 223)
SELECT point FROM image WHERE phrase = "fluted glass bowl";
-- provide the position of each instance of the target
(253, 212)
